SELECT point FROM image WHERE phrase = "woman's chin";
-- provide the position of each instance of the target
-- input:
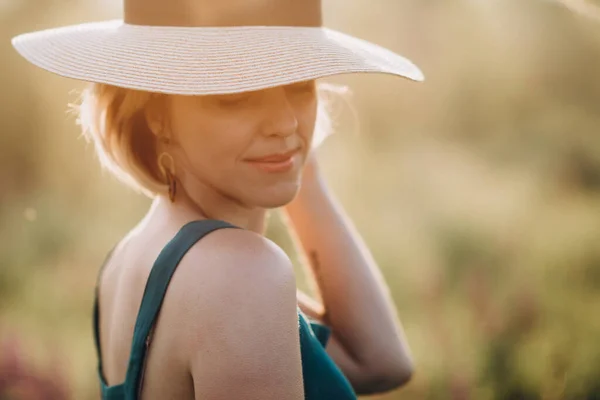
(277, 196)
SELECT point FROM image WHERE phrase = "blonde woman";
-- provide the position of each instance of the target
(212, 109)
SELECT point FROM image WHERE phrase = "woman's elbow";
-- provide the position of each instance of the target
(401, 376)
(398, 376)
(387, 378)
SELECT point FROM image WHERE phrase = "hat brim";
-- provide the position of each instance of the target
(199, 61)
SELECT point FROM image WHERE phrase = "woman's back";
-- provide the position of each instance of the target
(211, 331)
(121, 286)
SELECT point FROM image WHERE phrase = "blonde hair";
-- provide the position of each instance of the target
(113, 119)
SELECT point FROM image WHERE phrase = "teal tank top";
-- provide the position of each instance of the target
(322, 377)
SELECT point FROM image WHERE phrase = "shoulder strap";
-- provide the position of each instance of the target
(154, 292)
(97, 314)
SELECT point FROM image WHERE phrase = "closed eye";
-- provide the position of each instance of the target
(233, 99)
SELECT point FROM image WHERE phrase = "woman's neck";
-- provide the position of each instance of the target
(206, 205)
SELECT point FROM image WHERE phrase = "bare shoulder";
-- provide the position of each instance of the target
(228, 263)
(236, 300)
(238, 256)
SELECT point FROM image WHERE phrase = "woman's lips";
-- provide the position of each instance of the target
(275, 163)
(275, 157)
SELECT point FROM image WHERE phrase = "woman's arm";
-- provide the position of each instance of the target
(367, 340)
(232, 352)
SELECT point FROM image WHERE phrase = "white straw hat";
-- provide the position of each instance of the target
(196, 47)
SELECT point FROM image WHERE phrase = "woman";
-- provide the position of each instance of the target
(210, 109)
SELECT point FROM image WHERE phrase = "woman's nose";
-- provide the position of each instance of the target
(280, 115)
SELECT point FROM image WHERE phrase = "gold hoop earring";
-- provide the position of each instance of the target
(168, 175)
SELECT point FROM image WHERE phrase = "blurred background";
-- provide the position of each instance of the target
(478, 191)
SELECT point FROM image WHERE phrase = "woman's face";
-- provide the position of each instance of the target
(222, 136)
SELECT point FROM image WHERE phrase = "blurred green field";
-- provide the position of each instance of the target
(478, 192)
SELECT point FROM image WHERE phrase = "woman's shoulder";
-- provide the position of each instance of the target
(235, 249)
(232, 264)
(237, 285)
